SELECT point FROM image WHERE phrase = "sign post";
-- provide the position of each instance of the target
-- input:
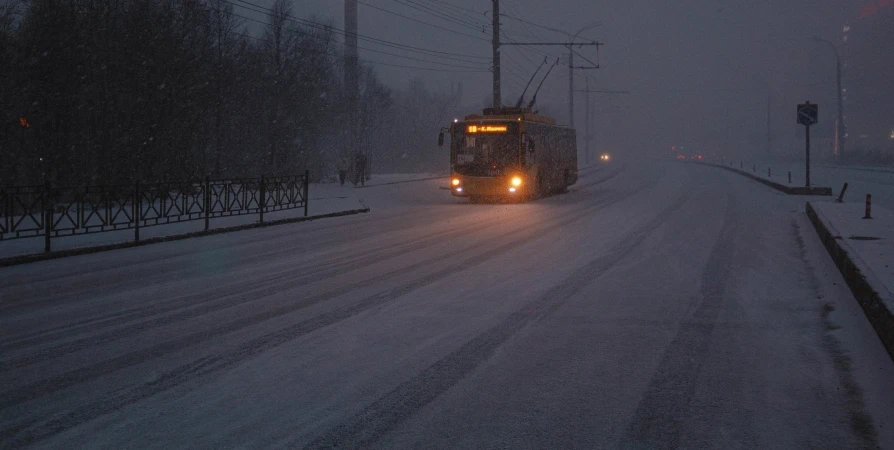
(808, 114)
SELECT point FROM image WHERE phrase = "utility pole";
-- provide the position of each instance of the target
(571, 70)
(570, 87)
(586, 123)
(839, 124)
(769, 123)
(588, 137)
(498, 101)
(840, 128)
(351, 77)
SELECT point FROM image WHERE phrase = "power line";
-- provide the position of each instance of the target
(527, 47)
(377, 63)
(382, 42)
(460, 8)
(538, 25)
(421, 21)
(469, 68)
(474, 25)
(595, 65)
(529, 34)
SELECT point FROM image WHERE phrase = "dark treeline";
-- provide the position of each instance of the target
(112, 91)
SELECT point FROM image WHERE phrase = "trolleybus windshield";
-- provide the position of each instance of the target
(486, 151)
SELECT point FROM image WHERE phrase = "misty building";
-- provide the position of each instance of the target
(868, 79)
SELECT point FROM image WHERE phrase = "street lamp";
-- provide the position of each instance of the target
(840, 130)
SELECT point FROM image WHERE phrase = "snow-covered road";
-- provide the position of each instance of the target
(657, 305)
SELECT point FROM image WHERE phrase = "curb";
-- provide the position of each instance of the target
(36, 257)
(827, 191)
(870, 300)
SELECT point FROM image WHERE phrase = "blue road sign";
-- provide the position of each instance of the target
(808, 114)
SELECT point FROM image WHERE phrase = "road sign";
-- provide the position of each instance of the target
(808, 114)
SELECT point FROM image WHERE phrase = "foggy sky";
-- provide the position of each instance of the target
(700, 71)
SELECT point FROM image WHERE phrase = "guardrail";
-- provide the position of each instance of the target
(53, 212)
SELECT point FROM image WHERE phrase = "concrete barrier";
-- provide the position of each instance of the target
(874, 306)
(791, 190)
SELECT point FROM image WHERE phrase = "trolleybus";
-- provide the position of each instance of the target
(510, 152)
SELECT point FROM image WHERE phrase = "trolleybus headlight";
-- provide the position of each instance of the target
(456, 181)
(512, 190)
(459, 189)
(516, 181)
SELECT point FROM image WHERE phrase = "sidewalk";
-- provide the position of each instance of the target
(863, 250)
(395, 178)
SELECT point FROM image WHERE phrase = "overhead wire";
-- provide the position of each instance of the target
(474, 25)
(430, 52)
(456, 7)
(541, 26)
(421, 21)
(466, 69)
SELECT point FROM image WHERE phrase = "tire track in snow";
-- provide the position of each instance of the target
(78, 284)
(68, 330)
(54, 384)
(580, 187)
(209, 302)
(36, 337)
(658, 419)
(379, 418)
(20, 434)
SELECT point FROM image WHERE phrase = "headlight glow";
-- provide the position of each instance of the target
(516, 181)
(456, 181)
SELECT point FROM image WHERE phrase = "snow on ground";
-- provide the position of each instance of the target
(885, 169)
(875, 254)
(861, 181)
(654, 306)
(392, 178)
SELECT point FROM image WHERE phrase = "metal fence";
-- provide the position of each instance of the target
(53, 212)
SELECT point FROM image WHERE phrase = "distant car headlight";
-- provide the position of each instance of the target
(456, 181)
(516, 181)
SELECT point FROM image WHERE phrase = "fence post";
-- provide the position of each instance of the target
(789, 177)
(306, 190)
(137, 211)
(47, 217)
(47, 228)
(768, 173)
(740, 165)
(263, 200)
(207, 202)
(754, 167)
